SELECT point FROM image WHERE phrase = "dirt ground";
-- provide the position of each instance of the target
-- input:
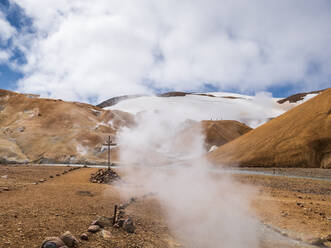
(30, 212)
(300, 208)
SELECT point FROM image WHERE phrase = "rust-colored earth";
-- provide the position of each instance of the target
(30, 212)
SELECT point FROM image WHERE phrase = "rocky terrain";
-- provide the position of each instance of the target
(300, 137)
(298, 97)
(294, 217)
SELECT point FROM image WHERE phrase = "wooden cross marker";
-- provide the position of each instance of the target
(109, 144)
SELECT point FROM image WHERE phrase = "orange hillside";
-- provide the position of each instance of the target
(300, 137)
(41, 130)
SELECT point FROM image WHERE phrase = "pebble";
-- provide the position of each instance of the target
(103, 221)
(128, 226)
(69, 239)
(84, 236)
(94, 228)
(105, 234)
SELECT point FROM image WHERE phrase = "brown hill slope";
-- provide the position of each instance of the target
(300, 137)
(216, 133)
(46, 130)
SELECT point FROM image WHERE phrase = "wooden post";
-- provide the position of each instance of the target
(109, 152)
(108, 144)
(115, 214)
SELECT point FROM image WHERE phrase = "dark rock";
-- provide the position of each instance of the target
(52, 242)
(128, 226)
(120, 222)
(316, 241)
(84, 193)
(50, 245)
(84, 236)
(51, 176)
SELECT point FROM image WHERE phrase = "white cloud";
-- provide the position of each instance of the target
(98, 49)
(6, 30)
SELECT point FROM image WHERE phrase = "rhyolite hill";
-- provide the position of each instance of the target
(300, 137)
(40, 130)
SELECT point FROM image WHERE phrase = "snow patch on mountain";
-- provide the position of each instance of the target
(251, 110)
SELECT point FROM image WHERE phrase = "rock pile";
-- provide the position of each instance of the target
(120, 222)
(106, 176)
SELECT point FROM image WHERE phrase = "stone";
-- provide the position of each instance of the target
(128, 226)
(50, 245)
(4, 177)
(84, 193)
(93, 228)
(120, 214)
(69, 240)
(21, 129)
(84, 236)
(316, 241)
(105, 234)
(103, 221)
(5, 189)
(57, 175)
(51, 176)
(52, 242)
(120, 222)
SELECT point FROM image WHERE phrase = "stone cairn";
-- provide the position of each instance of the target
(106, 176)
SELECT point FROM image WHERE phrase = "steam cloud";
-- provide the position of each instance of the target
(203, 210)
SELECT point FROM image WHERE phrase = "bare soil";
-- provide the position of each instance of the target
(300, 207)
(33, 212)
(29, 212)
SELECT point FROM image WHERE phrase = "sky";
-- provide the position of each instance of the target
(93, 50)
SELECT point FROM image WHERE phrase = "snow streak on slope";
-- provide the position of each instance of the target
(252, 110)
